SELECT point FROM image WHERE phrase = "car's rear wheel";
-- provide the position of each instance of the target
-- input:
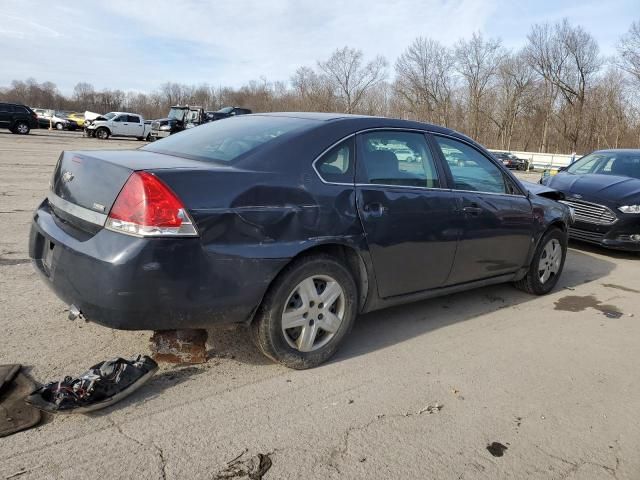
(59, 126)
(547, 264)
(102, 133)
(306, 313)
(21, 128)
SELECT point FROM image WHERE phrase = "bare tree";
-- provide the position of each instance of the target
(629, 51)
(349, 78)
(514, 85)
(424, 79)
(568, 58)
(477, 61)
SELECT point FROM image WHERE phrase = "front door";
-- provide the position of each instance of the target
(498, 217)
(411, 223)
(120, 125)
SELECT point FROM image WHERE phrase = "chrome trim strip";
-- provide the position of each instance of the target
(76, 210)
(313, 164)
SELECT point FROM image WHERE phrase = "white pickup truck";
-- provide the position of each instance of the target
(119, 124)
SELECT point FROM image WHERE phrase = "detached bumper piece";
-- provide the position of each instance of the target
(101, 386)
(15, 415)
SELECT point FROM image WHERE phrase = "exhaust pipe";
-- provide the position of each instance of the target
(74, 312)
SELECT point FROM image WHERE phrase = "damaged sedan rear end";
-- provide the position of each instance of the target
(292, 223)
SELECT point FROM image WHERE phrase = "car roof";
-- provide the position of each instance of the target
(365, 121)
(618, 150)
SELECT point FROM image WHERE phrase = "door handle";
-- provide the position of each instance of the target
(374, 209)
(473, 210)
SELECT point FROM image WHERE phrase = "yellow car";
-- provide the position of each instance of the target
(77, 117)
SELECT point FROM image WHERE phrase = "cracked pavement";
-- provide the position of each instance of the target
(558, 388)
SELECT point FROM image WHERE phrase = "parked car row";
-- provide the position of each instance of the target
(21, 119)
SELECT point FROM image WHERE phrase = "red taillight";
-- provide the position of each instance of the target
(147, 207)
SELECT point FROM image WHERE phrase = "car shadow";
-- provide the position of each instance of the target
(383, 328)
(161, 381)
(590, 247)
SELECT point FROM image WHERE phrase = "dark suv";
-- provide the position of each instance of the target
(17, 118)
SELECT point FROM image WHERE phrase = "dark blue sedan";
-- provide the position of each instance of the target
(604, 190)
(292, 222)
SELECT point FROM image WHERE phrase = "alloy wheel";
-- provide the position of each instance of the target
(313, 313)
(550, 259)
(22, 128)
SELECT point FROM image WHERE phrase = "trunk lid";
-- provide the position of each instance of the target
(85, 184)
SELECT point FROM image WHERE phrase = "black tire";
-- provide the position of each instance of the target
(532, 283)
(102, 133)
(59, 126)
(139, 138)
(149, 137)
(266, 328)
(21, 128)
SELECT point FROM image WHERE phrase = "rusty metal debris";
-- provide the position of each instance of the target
(179, 346)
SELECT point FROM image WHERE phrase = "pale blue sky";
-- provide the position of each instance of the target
(137, 45)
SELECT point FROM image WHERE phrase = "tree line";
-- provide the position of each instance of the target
(555, 94)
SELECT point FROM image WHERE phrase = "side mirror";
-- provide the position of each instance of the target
(562, 169)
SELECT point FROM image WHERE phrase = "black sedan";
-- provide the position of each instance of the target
(509, 160)
(604, 190)
(269, 219)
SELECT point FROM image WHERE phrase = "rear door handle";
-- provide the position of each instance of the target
(472, 210)
(374, 209)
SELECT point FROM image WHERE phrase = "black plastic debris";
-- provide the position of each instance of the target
(15, 414)
(102, 385)
(497, 449)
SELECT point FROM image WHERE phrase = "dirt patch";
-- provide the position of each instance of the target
(575, 303)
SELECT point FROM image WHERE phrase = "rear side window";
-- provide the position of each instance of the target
(134, 118)
(336, 165)
(398, 158)
(6, 108)
(228, 139)
(470, 169)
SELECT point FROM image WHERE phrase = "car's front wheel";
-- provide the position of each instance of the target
(59, 126)
(102, 133)
(547, 264)
(307, 312)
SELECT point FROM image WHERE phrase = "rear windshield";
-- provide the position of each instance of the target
(226, 140)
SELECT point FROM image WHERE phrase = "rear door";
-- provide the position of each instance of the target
(136, 127)
(411, 220)
(498, 217)
(5, 115)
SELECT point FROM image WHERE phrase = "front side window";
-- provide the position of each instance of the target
(398, 158)
(469, 168)
(337, 164)
(121, 118)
